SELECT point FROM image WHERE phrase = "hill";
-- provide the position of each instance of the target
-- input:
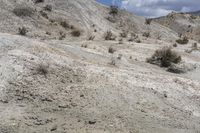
(185, 24)
(56, 80)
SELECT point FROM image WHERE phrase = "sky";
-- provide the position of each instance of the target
(155, 8)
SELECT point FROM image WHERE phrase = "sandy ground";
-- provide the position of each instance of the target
(83, 91)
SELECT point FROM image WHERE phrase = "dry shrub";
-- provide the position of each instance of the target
(76, 33)
(175, 45)
(114, 10)
(48, 8)
(42, 69)
(148, 21)
(124, 34)
(44, 14)
(91, 37)
(164, 57)
(112, 19)
(146, 34)
(38, 1)
(22, 31)
(64, 24)
(194, 46)
(62, 35)
(111, 50)
(22, 11)
(138, 41)
(184, 40)
(109, 36)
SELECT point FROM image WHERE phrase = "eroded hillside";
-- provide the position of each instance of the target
(53, 80)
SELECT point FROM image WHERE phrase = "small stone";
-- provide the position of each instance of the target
(54, 128)
(142, 110)
(92, 122)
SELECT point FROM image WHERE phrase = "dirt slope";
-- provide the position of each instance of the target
(186, 24)
(88, 16)
(76, 86)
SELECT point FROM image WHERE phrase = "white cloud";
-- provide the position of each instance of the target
(155, 8)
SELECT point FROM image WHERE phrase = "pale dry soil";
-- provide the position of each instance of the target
(83, 92)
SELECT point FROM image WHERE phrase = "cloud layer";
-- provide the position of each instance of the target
(155, 8)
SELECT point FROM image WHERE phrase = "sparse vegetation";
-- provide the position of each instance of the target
(175, 45)
(23, 11)
(84, 45)
(194, 46)
(146, 34)
(113, 62)
(38, 1)
(138, 41)
(22, 31)
(109, 36)
(124, 34)
(76, 33)
(42, 69)
(48, 8)
(62, 35)
(193, 16)
(111, 50)
(91, 37)
(148, 21)
(164, 57)
(44, 14)
(64, 24)
(112, 19)
(119, 57)
(114, 10)
(184, 40)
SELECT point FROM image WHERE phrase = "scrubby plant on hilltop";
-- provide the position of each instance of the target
(164, 57)
(114, 10)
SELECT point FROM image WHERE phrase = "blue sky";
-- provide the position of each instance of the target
(156, 8)
(107, 2)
